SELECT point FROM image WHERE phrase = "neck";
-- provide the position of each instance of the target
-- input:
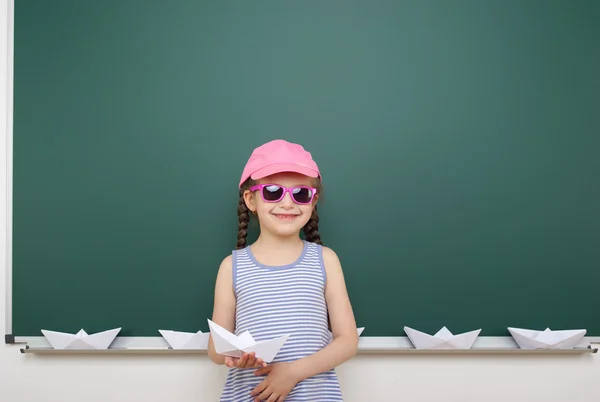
(270, 240)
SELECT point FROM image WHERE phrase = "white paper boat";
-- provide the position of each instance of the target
(228, 344)
(186, 340)
(443, 339)
(81, 340)
(547, 339)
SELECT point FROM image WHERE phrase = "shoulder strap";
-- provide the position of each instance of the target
(234, 258)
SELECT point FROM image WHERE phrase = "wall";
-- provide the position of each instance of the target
(572, 378)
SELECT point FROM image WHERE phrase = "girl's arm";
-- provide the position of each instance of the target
(343, 325)
(224, 315)
(224, 306)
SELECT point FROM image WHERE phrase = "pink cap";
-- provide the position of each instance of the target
(279, 156)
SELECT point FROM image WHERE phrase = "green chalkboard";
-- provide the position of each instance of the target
(458, 142)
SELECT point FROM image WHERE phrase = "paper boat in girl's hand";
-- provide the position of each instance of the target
(81, 340)
(228, 344)
(443, 339)
(186, 340)
(547, 339)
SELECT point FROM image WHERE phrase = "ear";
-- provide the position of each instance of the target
(249, 200)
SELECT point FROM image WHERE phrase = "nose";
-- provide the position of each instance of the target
(287, 201)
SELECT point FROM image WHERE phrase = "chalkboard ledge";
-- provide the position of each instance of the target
(367, 345)
(578, 350)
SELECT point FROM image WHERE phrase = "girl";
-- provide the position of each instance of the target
(282, 284)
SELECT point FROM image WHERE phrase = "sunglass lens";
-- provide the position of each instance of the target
(302, 195)
(272, 193)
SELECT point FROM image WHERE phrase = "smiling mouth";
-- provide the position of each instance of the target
(285, 217)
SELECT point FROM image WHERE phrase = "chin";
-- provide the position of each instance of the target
(287, 231)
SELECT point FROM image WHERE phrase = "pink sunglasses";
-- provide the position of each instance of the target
(275, 193)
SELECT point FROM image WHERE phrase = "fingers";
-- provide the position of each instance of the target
(265, 395)
(259, 388)
(241, 363)
(272, 397)
(229, 361)
(248, 360)
(263, 370)
(255, 362)
(251, 361)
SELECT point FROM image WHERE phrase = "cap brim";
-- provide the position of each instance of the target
(283, 168)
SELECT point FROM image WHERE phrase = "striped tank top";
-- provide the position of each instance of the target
(278, 300)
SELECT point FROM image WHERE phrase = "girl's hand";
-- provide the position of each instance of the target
(281, 379)
(244, 362)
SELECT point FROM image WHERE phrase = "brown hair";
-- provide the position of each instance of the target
(311, 229)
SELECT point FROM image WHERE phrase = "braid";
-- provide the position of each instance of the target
(244, 219)
(311, 229)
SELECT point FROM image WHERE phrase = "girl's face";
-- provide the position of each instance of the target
(283, 202)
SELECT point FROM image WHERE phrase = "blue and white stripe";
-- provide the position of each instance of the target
(278, 300)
